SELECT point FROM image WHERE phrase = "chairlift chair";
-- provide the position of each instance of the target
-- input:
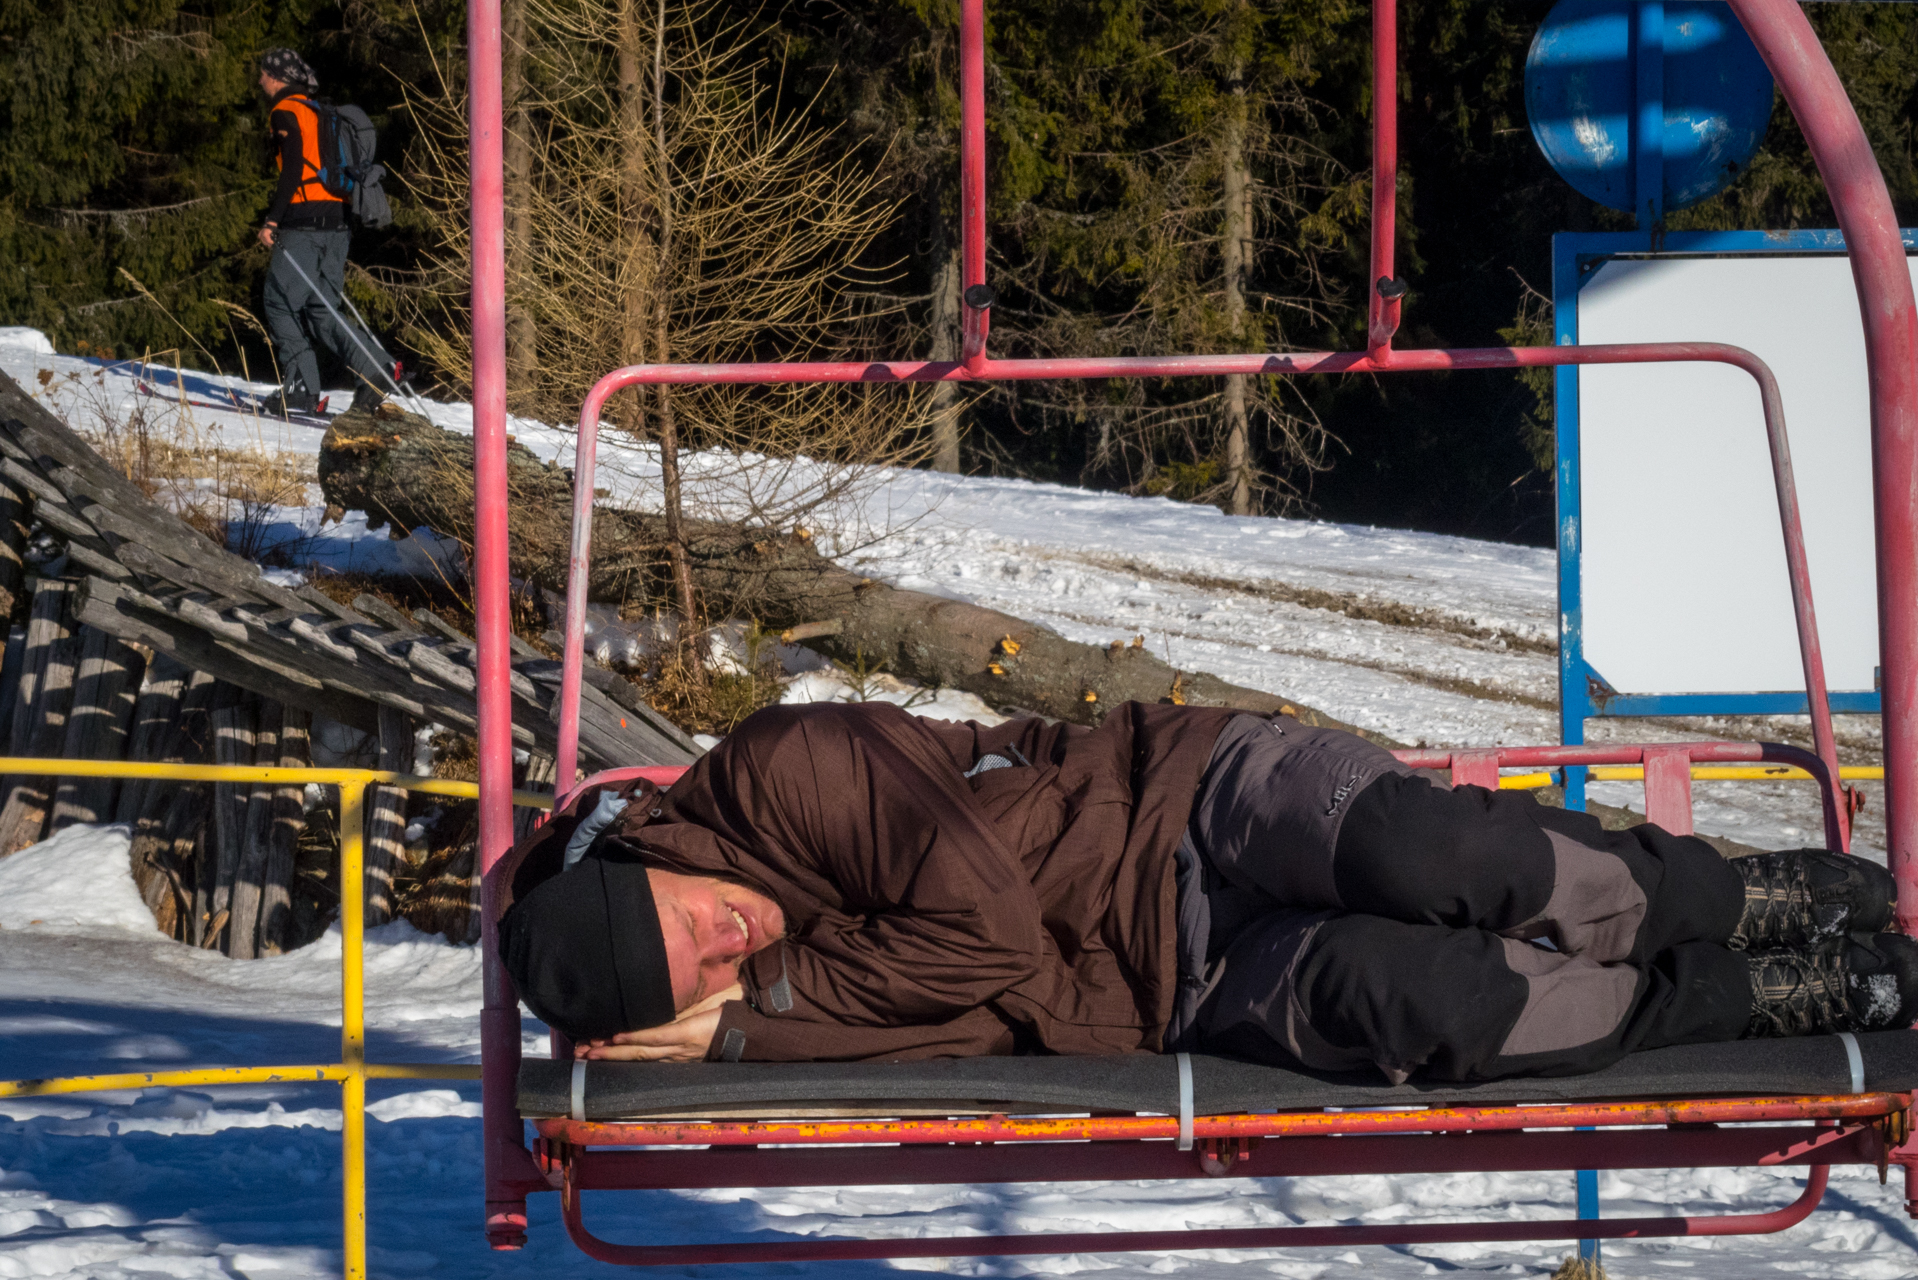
(1813, 1102)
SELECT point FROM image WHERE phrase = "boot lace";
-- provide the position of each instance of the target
(1799, 993)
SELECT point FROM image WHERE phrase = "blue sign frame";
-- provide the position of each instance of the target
(1583, 693)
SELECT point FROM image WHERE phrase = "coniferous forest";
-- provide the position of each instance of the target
(718, 179)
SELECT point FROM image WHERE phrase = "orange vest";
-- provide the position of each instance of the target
(310, 190)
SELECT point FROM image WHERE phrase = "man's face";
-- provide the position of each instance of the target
(710, 927)
(270, 86)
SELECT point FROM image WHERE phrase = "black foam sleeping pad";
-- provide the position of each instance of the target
(1145, 1082)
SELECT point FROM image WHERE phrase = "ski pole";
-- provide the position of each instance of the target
(341, 321)
(412, 397)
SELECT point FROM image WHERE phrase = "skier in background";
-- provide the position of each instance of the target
(307, 231)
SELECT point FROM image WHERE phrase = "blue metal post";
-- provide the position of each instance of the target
(1572, 698)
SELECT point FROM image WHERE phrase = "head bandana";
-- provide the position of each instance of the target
(284, 64)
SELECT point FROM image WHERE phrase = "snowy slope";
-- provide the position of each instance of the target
(1429, 639)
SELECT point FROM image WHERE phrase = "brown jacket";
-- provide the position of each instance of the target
(1024, 909)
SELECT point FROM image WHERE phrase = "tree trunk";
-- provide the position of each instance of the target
(1235, 251)
(669, 477)
(409, 471)
(639, 257)
(946, 338)
(522, 330)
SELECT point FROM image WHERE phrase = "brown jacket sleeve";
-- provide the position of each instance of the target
(919, 912)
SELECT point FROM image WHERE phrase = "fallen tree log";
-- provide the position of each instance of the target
(402, 469)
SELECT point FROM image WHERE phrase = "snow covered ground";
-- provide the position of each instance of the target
(1429, 639)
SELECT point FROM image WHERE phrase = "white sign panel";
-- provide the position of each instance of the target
(1683, 567)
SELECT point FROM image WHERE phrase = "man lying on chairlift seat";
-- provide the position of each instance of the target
(851, 882)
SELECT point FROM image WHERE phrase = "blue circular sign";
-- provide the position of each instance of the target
(1582, 86)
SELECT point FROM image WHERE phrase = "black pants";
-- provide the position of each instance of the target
(305, 280)
(1365, 915)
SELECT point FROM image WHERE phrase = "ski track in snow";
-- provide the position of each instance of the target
(245, 1181)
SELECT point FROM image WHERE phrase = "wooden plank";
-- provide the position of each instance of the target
(16, 516)
(104, 693)
(289, 822)
(386, 819)
(233, 726)
(12, 667)
(539, 778)
(105, 605)
(154, 715)
(167, 825)
(256, 837)
(40, 719)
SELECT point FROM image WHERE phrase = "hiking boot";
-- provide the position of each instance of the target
(1796, 897)
(367, 400)
(299, 400)
(1857, 982)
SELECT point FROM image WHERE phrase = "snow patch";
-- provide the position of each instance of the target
(31, 341)
(77, 878)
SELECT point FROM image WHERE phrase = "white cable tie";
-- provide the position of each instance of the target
(579, 1088)
(1855, 1059)
(1185, 1102)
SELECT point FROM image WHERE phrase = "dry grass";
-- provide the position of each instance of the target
(1577, 1268)
(226, 493)
(701, 700)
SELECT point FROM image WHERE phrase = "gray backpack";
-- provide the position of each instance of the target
(347, 169)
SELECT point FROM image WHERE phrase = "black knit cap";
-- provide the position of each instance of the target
(284, 64)
(585, 950)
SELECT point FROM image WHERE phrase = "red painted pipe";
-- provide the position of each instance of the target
(1858, 196)
(1382, 313)
(507, 1165)
(1172, 1241)
(1285, 1124)
(959, 1164)
(972, 174)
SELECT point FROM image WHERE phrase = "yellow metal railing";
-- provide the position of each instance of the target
(1700, 773)
(352, 1071)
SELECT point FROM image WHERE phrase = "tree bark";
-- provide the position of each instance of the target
(1235, 251)
(522, 330)
(639, 266)
(946, 338)
(672, 493)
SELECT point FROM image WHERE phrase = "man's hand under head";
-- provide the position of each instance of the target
(684, 1039)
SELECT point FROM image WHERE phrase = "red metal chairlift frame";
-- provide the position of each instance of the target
(1868, 1128)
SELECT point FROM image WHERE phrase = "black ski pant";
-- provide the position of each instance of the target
(1361, 914)
(305, 281)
